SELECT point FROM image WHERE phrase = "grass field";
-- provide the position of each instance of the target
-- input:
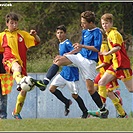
(68, 124)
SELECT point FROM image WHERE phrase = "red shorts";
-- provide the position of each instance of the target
(8, 66)
(123, 74)
(110, 86)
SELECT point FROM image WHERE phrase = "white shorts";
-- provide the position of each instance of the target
(87, 68)
(61, 83)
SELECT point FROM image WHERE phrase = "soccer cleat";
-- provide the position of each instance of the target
(123, 116)
(95, 113)
(67, 108)
(100, 114)
(117, 94)
(85, 115)
(39, 84)
(16, 116)
(104, 114)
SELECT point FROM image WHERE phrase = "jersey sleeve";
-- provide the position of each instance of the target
(29, 40)
(97, 39)
(116, 38)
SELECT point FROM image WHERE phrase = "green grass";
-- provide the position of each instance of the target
(67, 124)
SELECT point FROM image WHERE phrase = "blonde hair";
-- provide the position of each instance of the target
(107, 17)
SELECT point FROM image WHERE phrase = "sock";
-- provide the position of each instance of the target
(118, 106)
(19, 103)
(60, 96)
(103, 93)
(81, 104)
(17, 76)
(51, 73)
(96, 98)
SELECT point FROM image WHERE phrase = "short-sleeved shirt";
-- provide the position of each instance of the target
(120, 58)
(91, 38)
(104, 59)
(69, 73)
(15, 44)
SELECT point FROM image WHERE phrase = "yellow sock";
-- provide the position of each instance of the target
(103, 93)
(19, 103)
(17, 76)
(118, 107)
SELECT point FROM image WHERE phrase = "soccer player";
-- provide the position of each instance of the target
(120, 68)
(103, 64)
(16, 43)
(69, 76)
(86, 58)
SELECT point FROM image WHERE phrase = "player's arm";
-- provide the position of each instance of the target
(74, 51)
(92, 48)
(34, 33)
(101, 65)
(113, 50)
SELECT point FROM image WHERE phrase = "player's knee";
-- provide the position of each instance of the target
(101, 83)
(52, 90)
(75, 96)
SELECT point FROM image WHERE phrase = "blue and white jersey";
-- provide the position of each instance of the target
(68, 72)
(91, 38)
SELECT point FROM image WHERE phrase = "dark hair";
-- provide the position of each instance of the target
(89, 16)
(11, 16)
(61, 27)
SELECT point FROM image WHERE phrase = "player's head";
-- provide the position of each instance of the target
(107, 21)
(89, 16)
(108, 17)
(61, 27)
(87, 20)
(61, 33)
(12, 21)
(11, 16)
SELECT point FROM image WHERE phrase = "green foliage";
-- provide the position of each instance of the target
(67, 124)
(44, 17)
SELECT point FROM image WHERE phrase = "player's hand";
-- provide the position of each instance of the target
(103, 53)
(56, 58)
(76, 45)
(33, 32)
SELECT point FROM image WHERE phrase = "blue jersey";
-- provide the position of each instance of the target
(91, 38)
(69, 73)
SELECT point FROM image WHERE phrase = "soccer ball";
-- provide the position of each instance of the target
(26, 83)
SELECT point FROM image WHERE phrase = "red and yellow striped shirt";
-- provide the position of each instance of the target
(120, 58)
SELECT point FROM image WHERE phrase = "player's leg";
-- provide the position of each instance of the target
(74, 89)
(115, 97)
(19, 104)
(97, 99)
(129, 85)
(97, 112)
(117, 104)
(16, 70)
(17, 75)
(59, 81)
(52, 71)
(81, 105)
(118, 95)
(126, 75)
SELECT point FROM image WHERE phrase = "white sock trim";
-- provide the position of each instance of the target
(47, 79)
